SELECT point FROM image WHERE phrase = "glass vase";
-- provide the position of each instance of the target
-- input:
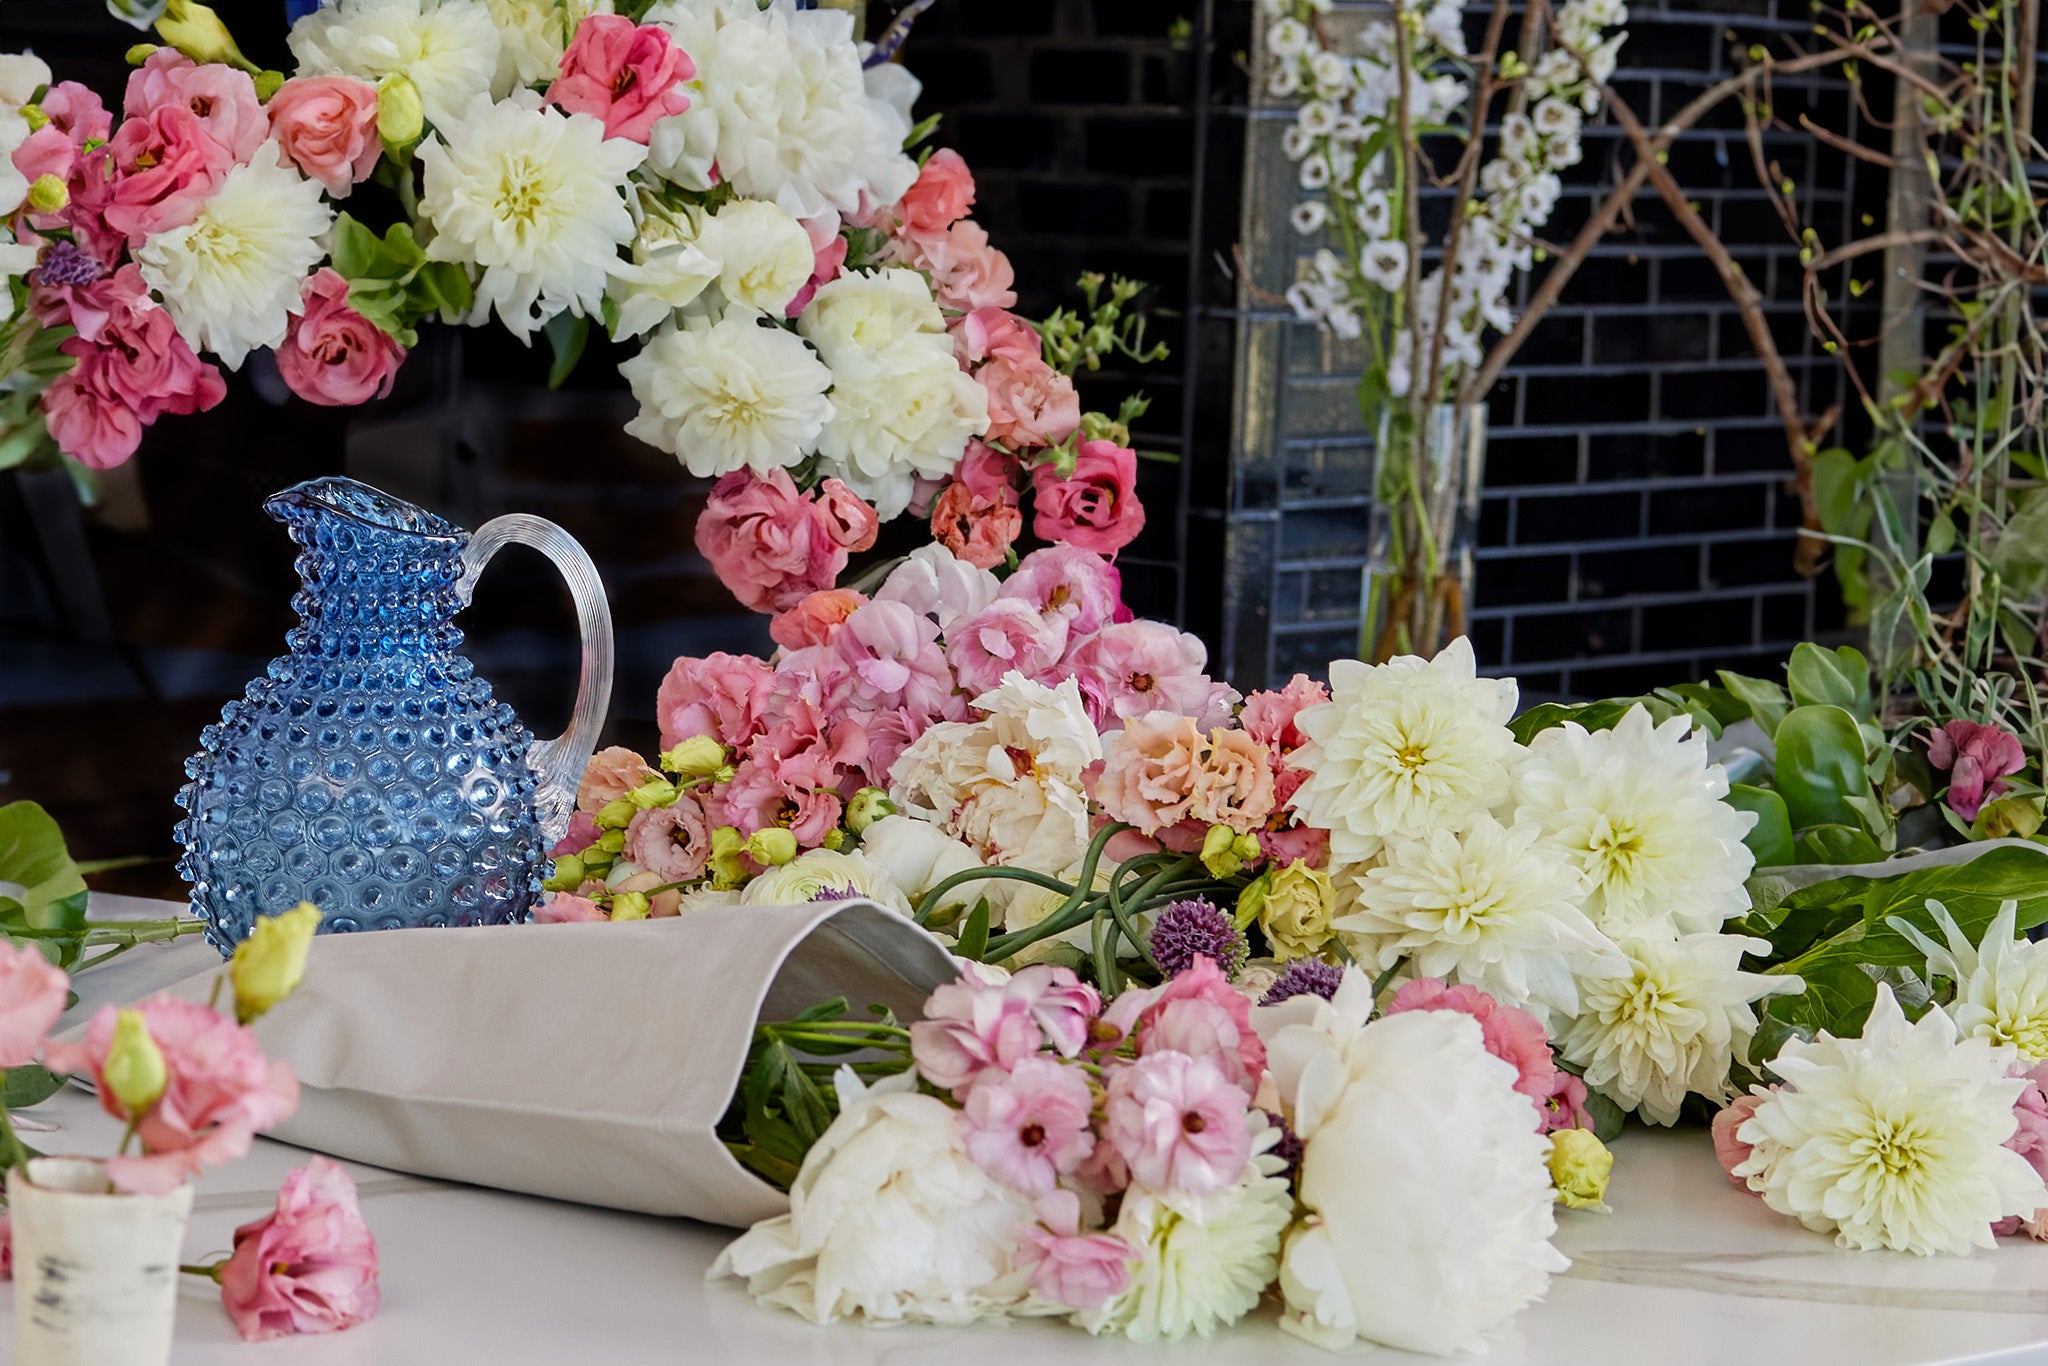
(1425, 515)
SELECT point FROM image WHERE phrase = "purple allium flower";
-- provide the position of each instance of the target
(65, 263)
(837, 894)
(1289, 1149)
(1305, 977)
(1186, 930)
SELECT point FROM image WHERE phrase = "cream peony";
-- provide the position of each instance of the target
(889, 1221)
(2001, 985)
(1894, 1140)
(448, 49)
(1488, 907)
(1671, 1023)
(1639, 809)
(728, 395)
(764, 256)
(529, 195)
(1403, 748)
(824, 875)
(231, 277)
(861, 313)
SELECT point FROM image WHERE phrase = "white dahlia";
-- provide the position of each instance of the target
(2001, 985)
(1639, 809)
(1487, 907)
(231, 277)
(1671, 1023)
(729, 395)
(530, 196)
(448, 49)
(764, 256)
(1403, 748)
(1894, 1140)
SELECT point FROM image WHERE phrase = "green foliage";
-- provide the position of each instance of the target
(1820, 766)
(1770, 839)
(786, 1099)
(392, 283)
(53, 897)
(1108, 327)
(21, 1087)
(568, 334)
(1710, 709)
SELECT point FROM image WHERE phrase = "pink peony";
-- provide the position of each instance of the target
(989, 333)
(1030, 404)
(1235, 784)
(1096, 507)
(1269, 717)
(976, 529)
(816, 619)
(1512, 1034)
(309, 1266)
(164, 166)
(566, 908)
(1077, 585)
(32, 994)
(220, 1094)
(221, 98)
(333, 355)
(943, 194)
(1030, 1127)
(1081, 1271)
(1729, 1149)
(626, 74)
(673, 842)
(772, 545)
(1005, 635)
(720, 695)
(1178, 1123)
(1133, 667)
(967, 273)
(1150, 771)
(1978, 759)
(327, 127)
(611, 774)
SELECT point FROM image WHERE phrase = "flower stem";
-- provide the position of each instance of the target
(210, 1270)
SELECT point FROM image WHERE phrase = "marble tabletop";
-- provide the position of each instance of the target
(1686, 1271)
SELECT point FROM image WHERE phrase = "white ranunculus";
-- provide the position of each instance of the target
(529, 196)
(916, 855)
(1894, 1140)
(448, 49)
(898, 416)
(826, 874)
(932, 580)
(231, 278)
(727, 395)
(889, 1221)
(2001, 984)
(764, 256)
(1426, 1184)
(1403, 748)
(1640, 810)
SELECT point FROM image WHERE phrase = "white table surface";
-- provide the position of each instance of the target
(1687, 1271)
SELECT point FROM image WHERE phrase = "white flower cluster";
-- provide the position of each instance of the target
(21, 75)
(1345, 140)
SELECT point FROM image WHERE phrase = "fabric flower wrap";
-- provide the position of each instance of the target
(773, 546)
(1096, 508)
(309, 1266)
(333, 355)
(628, 75)
(327, 127)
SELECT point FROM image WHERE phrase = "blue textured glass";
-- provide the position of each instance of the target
(369, 771)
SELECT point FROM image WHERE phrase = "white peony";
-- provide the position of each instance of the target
(734, 394)
(231, 277)
(448, 49)
(2001, 985)
(935, 582)
(1671, 1023)
(915, 856)
(1893, 1140)
(824, 874)
(764, 256)
(530, 196)
(1403, 748)
(1639, 809)
(1487, 907)
(889, 1221)
(1048, 723)
(899, 416)
(1426, 1185)
(781, 106)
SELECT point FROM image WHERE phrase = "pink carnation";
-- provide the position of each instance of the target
(1150, 771)
(628, 75)
(308, 1266)
(942, 195)
(969, 1029)
(1269, 717)
(1004, 636)
(816, 619)
(1031, 1126)
(1978, 759)
(720, 695)
(1512, 1034)
(333, 355)
(1030, 404)
(327, 127)
(1178, 1123)
(1096, 507)
(828, 258)
(796, 773)
(772, 545)
(673, 842)
(1235, 785)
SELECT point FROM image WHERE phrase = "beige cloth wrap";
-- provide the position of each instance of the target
(586, 1062)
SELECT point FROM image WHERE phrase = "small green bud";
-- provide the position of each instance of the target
(660, 792)
(401, 117)
(728, 861)
(268, 83)
(269, 964)
(140, 53)
(869, 805)
(35, 117)
(773, 846)
(699, 757)
(1579, 1167)
(1252, 899)
(837, 840)
(135, 1071)
(612, 842)
(198, 32)
(1219, 852)
(616, 815)
(48, 194)
(629, 905)
(568, 874)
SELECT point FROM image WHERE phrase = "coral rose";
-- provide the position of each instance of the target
(1096, 507)
(942, 195)
(327, 127)
(772, 545)
(333, 355)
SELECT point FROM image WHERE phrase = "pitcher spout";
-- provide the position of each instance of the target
(347, 500)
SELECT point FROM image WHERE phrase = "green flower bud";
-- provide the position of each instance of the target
(699, 757)
(1579, 1167)
(268, 964)
(268, 83)
(1219, 852)
(568, 874)
(773, 846)
(140, 53)
(616, 815)
(48, 194)
(612, 842)
(135, 1071)
(837, 840)
(35, 116)
(1252, 899)
(728, 861)
(197, 31)
(869, 805)
(401, 118)
(629, 905)
(660, 792)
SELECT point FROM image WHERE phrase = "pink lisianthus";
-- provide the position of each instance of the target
(221, 98)
(1978, 760)
(1150, 770)
(77, 121)
(828, 258)
(327, 127)
(309, 1266)
(1729, 1149)
(673, 842)
(796, 772)
(772, 545)
(1031, 1126)
(1512, 1034)
(967, 273)
(1005, 635)
(32, 994)
(1178, 1123)
(1096, 507)
(566, 908)
(720, 695)
(1077, 585)
(333, 355)
(1235, 784)
(2030, 1140)
(137, 370)
(816, 619)
(581, 834)
(220, 1093)
(976, 529)
(1129, 668)
(611, 774)
(893, 659)
(1566, 1107)
(1030, 404)
(630, 76)
(989, 333)
(164, 166)
(941, 196)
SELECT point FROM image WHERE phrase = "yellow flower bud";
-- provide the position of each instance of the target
(197, 31)
(268, 964)
(1296, 912)
(135, 1070)
(612, 842)
(1252, 899)
(773, 846)
(48, 194)
(401, 118)
(1219, 852)
(268, 83)
(837, 840)
(629, 905)
(1579, 1166)
(568, 874)
(698, 757)
(660, 792)
(728, 861)
(35, 117)
(616, 815)
(140, 53)
(869, 805)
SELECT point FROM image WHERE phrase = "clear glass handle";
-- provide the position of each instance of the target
(558, 762)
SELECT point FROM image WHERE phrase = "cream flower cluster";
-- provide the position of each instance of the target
(21, 75)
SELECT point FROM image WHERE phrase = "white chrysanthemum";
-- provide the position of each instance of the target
(729, 395)
(231, 277)
(1487, 907)
(1403, 748)
(1639, 808)
(530, 195)
(826, 872)
(782, 106)
(1894, 1140)
(1427, 1187)
(1671, 1023)
(2001, 985)
(764, 256)
(448, 49)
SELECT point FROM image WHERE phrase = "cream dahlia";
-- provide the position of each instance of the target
(2001, 985)
(728, 395)
(448, 49)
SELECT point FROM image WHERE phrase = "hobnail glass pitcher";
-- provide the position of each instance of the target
(370, 771)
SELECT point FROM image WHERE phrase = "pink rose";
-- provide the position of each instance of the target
(309, 1266)
(967, 273)
(988, 473)
(976, 529)
(1178, 1123)
(1030, 404)
(1129, 668)
(221, 1092)
(1512, 1034)
(816, 619)
(942, 195)
(1079, 586)
(222, 99)
(1729, 1149)
(327, 127)
(989, 333)
(333, 355)
(772, 545)
(32, 993)
(165, 165)
(612, 773)
(1150, 771)
(1978, 759)
(566, 908)
(673, 842)
(628, 75)
(720, 695)
(1031, 1126)
(1095, 508)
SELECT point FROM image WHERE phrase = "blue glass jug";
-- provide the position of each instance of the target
(370, 771)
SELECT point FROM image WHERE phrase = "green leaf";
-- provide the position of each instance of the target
(974, 935)
(32, 854)
(1590, 715)
(1770, 839)
(1607, 1116)
(568, 334)
(1766, 701)
(2021, 553)
(30, 1085)
(1838, 844)
(1819, 677)
(1820, 765)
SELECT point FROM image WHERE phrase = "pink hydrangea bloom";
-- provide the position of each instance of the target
(327, 127)
(988, 333)
(1096, 507)
(221, 98)
(816, 619)
(1178, 1123)
(720, 695)
(1130, 668)
(673, 842)
(772, 545)
(1031, 1126)
(566, 908)
(1512, 1034)
(611, 774)
(628, 75)
(1729, 1149)
(308, 1266)
(941, 196)
(1079, 586)
(333, 355)
(1978, 759)
(1030, 404)
(32, 993)
(1007, 634)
